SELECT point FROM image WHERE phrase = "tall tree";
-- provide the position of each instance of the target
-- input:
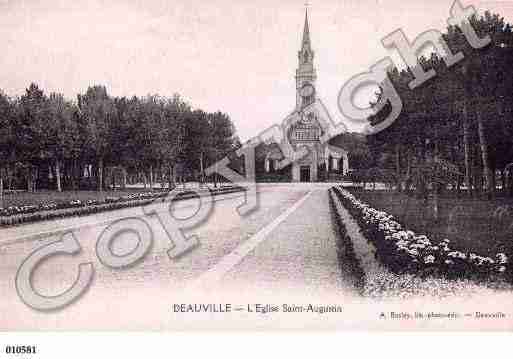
(33, 132)
(7, 138)
(64, 142)
(99, 112)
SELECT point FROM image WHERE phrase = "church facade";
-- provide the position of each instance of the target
(305, 127)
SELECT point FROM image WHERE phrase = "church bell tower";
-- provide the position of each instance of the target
(305, 73)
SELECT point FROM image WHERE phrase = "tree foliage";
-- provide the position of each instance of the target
(462, 116)
(48, 141)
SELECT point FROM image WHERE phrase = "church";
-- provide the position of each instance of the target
(305, 126)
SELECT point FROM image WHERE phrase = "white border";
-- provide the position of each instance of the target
(259, 345)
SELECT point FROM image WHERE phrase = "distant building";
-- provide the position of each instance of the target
(305, 125)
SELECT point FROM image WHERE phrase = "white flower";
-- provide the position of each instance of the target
(448, 261)
(457, 254)
(402, 242)
(502, 258)
(423, 239)
(413, 252)
(429, 259)
(501, 269)
(418, 245)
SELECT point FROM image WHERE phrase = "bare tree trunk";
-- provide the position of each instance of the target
(435, 200)
(477, 170)
(398, 167)
(215, 174)
(408, 172)
(1, 190)
(151, 177)
(125, 174)
(421, 185)
(10, 177)
(510, 182)
(202, 171)
(144, 180)
(78, 174)
(493, 171)
(100, 174)
(477, 176)
(171, 178)
(504, 183)
(466, 145)
(36, 176)
(113, 178)
(30, 179)
(58, 175)
(484, 154)
(436, 186)
(161, 177)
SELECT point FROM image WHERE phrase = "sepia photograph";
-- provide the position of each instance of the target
(328, 166)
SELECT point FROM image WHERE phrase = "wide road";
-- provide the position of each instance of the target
(284, 252)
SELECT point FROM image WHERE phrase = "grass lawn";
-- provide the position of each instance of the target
(35, 198)
(484, 227)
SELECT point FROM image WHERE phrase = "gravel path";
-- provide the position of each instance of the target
(295, 261)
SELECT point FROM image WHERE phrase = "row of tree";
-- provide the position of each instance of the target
(456, 128)
(50, 141)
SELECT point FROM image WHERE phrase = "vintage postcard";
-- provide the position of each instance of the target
(256, 165)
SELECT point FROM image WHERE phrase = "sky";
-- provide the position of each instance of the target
(236, 56)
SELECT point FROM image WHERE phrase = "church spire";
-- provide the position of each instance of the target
(306, 53)
(305, 73)
(306, 30)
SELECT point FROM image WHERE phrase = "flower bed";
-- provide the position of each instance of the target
(76, 203)
(32, 213)
(404, 251)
